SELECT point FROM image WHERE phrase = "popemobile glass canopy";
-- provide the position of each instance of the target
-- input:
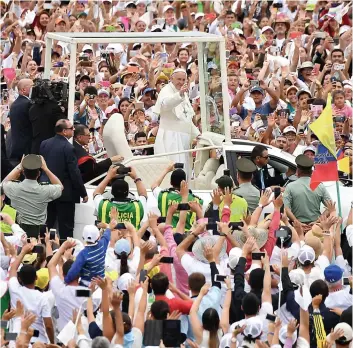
(211, 61)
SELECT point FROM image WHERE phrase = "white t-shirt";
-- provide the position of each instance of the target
(33, 301)
(65, 299)
(266, 308)
(113, 264)
(339, 299)
(192, 265)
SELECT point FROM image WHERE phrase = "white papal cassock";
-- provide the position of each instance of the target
(176, 129)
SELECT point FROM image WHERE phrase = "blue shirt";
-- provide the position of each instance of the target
(264, 109)
(90, 262)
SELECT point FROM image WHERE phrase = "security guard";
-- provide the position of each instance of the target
(29, 197)
(249, 192)
(129, 210)
(300, 201)
(239, 206)
(5, 228)
(171, 196)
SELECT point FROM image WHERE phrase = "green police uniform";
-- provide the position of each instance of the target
(246, 190)
(5, 228)
(303, 202)
(171, 196)
(130, 210)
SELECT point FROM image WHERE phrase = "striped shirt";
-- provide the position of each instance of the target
(90, 262)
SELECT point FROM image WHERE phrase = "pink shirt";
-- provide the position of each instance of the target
(345, 111)
(180, 273)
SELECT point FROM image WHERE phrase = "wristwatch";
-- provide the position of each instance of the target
(260, 205)
(194, 235)
(233, 339)
(137, 179)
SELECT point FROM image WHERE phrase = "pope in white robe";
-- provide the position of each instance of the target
(176, 129)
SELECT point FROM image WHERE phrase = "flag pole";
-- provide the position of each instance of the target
(339, 202)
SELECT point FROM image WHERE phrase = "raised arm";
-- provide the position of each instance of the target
(266, 291)
(141, 189)
(160, 179)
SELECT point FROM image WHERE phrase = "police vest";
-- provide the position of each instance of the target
(6, 229)
(169, 197)
(238, 209)
(130, 211)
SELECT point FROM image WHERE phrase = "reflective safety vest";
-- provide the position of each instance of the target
(169, 197)
(5, 228)
(238, 209)
(131, 211)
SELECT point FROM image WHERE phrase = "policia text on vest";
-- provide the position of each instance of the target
(171, 196)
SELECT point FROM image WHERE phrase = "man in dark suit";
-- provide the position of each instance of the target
(87, 164)
(21, 128)
(60, 157)
(262, 177)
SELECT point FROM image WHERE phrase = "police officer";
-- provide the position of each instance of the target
(171, 196)
(249, 192)
(300, 201)
(238, 207)
(129, 210)
(29, 197)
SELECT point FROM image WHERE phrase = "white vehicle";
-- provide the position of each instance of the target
(215, 136)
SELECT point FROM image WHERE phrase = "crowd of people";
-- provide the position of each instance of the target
(189, 276)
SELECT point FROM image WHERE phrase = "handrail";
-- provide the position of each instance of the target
(206, 139)
(207, 148)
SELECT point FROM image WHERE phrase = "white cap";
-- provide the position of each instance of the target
(289, 129)
(87, 47)
(253, 327)
(168, 7)
(124, 280)
(226, 341)
(103, 91)
(267, 27)
(306, 253)
(233, 258)
(297, 276)
(140, 2)
(343, 29)
(347, 332)
(90, 233)
(199, 14)
(116, 48)
(310, 148)
(156, 27)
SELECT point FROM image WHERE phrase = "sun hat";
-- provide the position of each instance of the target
(199, 246)
(260, 235)
(313, 242)
(90, 233)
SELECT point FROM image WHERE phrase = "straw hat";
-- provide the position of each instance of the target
(314, 242)
(259, 234)
(199, 245)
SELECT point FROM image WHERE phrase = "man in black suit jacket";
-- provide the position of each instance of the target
(261, 177)
(21, 128)
(87, 164)
(60, 157)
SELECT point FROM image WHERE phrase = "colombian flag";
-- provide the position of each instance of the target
(325, 167)
(323, 128)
